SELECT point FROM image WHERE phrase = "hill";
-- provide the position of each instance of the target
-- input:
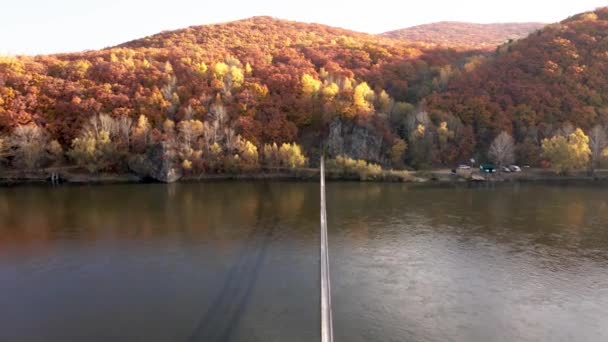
(216, 98)
(535, 86)
(460, 34)
(267, 80)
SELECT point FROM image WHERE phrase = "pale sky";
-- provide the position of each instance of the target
(49, 26)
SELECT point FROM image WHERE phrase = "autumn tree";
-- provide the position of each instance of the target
(190, 152)
(29, 143)
(598, 144)
(189, 131)
(291, 156)
(216, 125)
(124, 130)
(529, 151)
(310, 85)
(420, 139)
(397, 152)
(55, 153)
(95, 148)
(363, 97)
(4, 149)
(90, 151)
(445, 137)
(330, 91)
(270, 155)
(567, 153)
(140, 134)
(502, 149)
(246, 157)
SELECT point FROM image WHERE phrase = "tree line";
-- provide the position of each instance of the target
(570, 149)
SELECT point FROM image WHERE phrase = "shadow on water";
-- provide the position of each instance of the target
(222, 318)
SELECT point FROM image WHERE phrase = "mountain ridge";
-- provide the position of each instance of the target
(464, 34)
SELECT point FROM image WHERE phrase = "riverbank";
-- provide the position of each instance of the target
(439, 176)
(72, 176)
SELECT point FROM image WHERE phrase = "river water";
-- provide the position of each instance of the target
(238, 261)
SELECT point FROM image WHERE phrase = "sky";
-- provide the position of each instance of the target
(51, 26)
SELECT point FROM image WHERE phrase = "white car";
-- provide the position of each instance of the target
(514, 168)
(506, 169)
(464, 167)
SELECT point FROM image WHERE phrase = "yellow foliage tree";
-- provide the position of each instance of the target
(444, 133)
(385, 103)
(169, 127)
(270, 154)
(186, 165)
(235, 78)
(347, 84)
(567, 152)
(330, 91)
(140, 133)
(220, 70)
(362, 97)
(310, 85)
(93, 152)
(420, 131)
(246, 158)
(201, 69)
(398, 152)
(291, 156)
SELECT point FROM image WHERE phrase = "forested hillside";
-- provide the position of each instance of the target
(265, 80)
(534, 87)
(465, 35)
(262, 91)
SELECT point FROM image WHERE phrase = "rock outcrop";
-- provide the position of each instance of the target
(157, 163)
(358, 142)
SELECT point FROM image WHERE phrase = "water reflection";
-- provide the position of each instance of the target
(238, 262)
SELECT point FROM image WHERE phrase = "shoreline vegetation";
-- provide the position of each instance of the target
(74, 176)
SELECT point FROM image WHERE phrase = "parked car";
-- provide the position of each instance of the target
(514, 168)
(464, 167)
(487, 168)
(506, 169)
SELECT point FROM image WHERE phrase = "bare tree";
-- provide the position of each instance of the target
(566, 129)
(169, 92)
(29, 142)
(189, 113)
(108, 124)
(124, 129)
(218, 120)
(190, 131)
(208, 135)
(598, 141)
(502, 150)
(231, 139)
(4, 148)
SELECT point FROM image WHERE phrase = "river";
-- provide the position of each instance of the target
(238, 261)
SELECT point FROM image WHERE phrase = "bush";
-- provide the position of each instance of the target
(288, 155)
(349, 167)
